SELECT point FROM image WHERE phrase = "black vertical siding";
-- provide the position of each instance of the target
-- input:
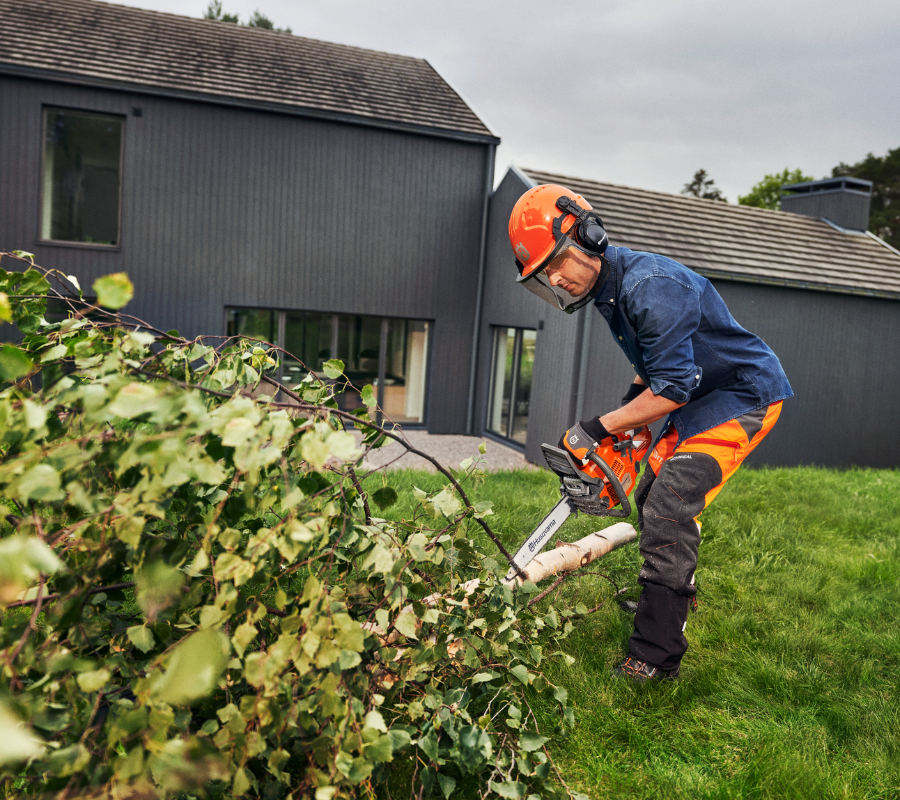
(224, 206)
(840, 355)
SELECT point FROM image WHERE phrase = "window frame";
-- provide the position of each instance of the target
(280, 325)
(45, 108)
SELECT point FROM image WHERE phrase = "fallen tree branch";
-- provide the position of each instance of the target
(391, 435)
(575, 554)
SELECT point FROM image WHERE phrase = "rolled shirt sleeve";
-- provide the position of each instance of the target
(666, 314)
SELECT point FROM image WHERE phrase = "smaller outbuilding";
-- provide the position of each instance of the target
(815, 285)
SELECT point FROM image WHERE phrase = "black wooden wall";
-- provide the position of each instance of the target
(225, 206)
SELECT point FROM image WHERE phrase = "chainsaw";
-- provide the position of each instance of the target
(596, 480)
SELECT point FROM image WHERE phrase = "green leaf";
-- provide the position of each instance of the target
(245, 634)
(54, 353)
(41, 483)
(342, 445)
(141, 637)
(380, 751)
(237, 431)
(22, 560)
(483, 509)
(406, 624)
(375, 721)
(355, 770)
(482, 448)
(368, 396)
(93, 681)
(193, 670)
(17, 744)
(447, 784)
(113, 291)
(158, 587)
(14, 364)
(333, 368)
(384, 497)
(400, 739)
(509, 789)
(484, 677)
(241, 784)
(5, 308)
(133, 400)
(520, 672)
(530, 742)
(428, 744)
(447, 503)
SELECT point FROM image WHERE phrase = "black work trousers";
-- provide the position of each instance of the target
(680, 482)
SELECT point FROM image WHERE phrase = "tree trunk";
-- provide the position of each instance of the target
(567, 557)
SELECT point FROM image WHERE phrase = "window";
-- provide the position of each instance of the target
(511, 371)
(81, 180)
(389, 354)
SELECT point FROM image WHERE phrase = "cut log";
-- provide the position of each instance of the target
(569, 556)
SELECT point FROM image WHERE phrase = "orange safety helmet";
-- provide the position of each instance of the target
(545, 221)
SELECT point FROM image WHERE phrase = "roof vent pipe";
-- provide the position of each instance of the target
(842, 201)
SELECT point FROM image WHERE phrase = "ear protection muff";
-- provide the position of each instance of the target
(588, 228)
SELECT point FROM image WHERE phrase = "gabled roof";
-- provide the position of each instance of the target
(94, 43)
(735, 242)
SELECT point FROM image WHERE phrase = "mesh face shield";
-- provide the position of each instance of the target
(537, 282)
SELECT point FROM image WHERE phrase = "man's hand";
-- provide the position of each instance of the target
(579, 438)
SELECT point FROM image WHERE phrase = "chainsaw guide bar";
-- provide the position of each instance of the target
(595, 487)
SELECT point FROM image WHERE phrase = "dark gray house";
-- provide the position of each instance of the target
(337, 201)
(823, 293)
(329, 198)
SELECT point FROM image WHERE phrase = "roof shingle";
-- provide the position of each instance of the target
(119, 45)
(739, 242)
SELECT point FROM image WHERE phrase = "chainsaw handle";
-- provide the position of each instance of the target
(625, 511)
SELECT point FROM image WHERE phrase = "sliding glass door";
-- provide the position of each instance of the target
(387, 353)
(512, 366)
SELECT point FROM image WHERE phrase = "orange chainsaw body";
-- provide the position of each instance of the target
(623, 461)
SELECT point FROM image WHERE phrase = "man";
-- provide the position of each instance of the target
(719, 386)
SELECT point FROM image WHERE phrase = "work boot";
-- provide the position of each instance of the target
(639, 671)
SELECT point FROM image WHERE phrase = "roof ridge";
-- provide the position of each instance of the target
(246, 29)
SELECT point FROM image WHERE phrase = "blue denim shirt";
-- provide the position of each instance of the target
(681, 339)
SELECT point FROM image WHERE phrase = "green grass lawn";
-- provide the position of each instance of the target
(791, 686)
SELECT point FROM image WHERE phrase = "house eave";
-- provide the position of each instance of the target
(795, 284)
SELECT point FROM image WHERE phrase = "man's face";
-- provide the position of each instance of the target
(573, 271)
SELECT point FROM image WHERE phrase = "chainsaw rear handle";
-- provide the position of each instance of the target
(625, 511)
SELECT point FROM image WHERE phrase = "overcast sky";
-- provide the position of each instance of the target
(645, 92)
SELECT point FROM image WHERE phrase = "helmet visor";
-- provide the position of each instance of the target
(539, 284)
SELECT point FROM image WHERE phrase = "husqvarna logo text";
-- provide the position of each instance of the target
(542, 536)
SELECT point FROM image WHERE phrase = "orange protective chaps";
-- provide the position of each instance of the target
(681, 482)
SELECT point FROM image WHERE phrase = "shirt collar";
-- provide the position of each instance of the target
(609, 291)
